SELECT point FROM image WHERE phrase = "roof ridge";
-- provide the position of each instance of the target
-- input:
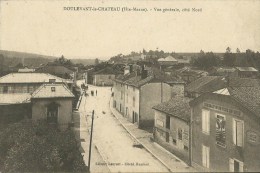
(67, 89)
(36, 91)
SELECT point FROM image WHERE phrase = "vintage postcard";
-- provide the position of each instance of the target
(129, 86)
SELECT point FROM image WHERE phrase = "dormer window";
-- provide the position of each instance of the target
(52, 80)
(52, 89)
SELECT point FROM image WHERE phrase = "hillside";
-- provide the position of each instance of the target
(12, 58)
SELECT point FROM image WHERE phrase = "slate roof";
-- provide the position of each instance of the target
(29, 78)
(45, 91)
(178, 107)
(205, 84)
(252, 69)
(16, 98)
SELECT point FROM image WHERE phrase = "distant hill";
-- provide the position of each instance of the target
(83, 61)
(12, 58)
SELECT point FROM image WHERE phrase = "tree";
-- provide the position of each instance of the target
(96, 61)
(206, 60)
(229, 58)
(30, 146)
(238, 51)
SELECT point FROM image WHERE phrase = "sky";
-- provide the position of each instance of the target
(44, 27)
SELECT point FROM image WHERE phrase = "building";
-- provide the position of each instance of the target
(133, 98)
(246, 72)
(104, 77)
(203, 85)
(28, 82)
(189, 75)
(57, 70)
(172, 127)
(14, 107)
(226, 130)
(222, 71)
(53, 102)
(213, 83)
(168, 61)
(16, 90)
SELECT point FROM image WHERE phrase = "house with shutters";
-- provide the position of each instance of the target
(172, 127)
(226, 130)
(133, 98)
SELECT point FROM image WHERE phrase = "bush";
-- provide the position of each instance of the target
(38, 147)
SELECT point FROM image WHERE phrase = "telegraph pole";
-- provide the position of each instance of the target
(90, 143)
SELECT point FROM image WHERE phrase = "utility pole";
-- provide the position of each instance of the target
(90, 143)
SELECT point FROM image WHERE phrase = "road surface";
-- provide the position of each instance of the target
(113, 142)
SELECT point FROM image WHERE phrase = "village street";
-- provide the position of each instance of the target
(112, 141)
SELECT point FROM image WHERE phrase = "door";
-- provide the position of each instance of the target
(205, 156)
(52, 113)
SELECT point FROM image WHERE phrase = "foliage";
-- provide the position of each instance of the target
(38, 147)
(63, 61)
(206, 60)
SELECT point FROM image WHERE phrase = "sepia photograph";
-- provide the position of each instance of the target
(129, 86)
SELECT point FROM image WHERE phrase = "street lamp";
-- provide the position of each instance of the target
(90, 142)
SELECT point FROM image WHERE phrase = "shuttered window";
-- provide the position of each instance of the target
(238, 132)
(205, 121)
(205, 156)
(236, 166)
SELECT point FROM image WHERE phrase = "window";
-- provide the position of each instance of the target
(52, 80)
(235, 165)
(133, 101)
(205, 156)
(179, 134)
(167, 121)
(126, 86)
(205, 121)
(109, 77)
(221, 130)
(121, 94)
(238, 132)
(52, 89)
(167, 136)
(5, 89)
(133, 88)
(126, 98)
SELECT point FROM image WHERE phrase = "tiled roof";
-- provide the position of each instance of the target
(244, 82)
(29, 78)
(247, 96)
(247, 69)
(205, 84)
(16, 98)
(137, 81)
(46, 91)
(122, 78)
(177, 107)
